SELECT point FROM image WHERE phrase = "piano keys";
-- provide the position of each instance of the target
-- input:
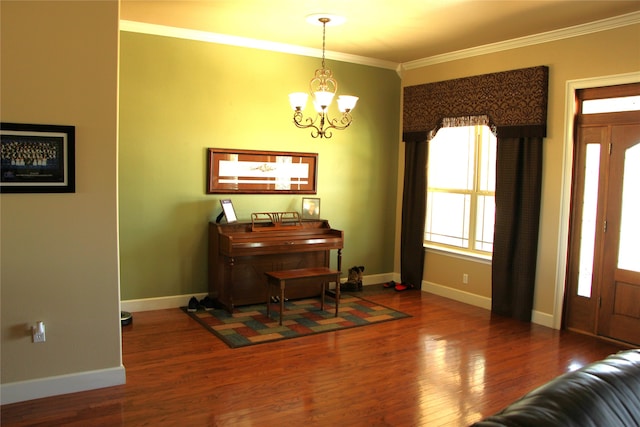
(239, 255)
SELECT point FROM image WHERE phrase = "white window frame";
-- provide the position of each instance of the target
(474, 194)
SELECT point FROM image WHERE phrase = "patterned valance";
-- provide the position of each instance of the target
(515, 102)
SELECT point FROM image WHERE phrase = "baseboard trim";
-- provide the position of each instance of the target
(158, 303)
(376, 279)
(174, 301)
(543, 319)
(62, 384)
(161, 303)
(537, 317)
(457, 295)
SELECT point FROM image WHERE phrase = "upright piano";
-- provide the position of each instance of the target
(240, 254)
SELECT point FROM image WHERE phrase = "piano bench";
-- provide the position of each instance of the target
(282, 277)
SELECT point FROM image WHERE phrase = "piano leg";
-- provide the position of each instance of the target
(228, 287)
(337, 299)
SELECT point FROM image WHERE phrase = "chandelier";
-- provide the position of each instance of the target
(322, 89)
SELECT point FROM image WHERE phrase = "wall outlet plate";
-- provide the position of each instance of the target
(38, 333)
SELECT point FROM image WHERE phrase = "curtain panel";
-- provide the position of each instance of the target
(414, 209)
(515, 103)
(515, 238)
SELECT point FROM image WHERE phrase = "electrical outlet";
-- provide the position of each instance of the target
(38, 332)
(465, 278)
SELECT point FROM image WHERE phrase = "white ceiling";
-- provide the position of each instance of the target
(397, 31)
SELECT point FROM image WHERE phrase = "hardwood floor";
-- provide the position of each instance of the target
(450, 364)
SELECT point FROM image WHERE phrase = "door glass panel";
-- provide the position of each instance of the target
(628, 258)
(589, 213)
(611, 105)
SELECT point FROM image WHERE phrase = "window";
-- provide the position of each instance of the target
(461, 189)
(611, 105)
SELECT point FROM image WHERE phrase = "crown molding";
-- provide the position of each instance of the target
(204, 36)
(550, 36)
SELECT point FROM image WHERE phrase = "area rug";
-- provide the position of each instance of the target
(249, 325)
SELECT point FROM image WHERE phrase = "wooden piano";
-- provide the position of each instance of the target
(240, 253)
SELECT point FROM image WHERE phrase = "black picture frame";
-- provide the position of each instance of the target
(37, 158)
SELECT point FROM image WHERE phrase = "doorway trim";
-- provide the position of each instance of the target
(567, 165)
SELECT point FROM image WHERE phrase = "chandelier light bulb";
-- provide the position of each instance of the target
(323, 98)
(346, 103)
(298, 100)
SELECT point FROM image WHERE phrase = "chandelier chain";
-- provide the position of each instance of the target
(324, 31)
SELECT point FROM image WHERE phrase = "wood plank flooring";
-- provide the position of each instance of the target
(450, 364)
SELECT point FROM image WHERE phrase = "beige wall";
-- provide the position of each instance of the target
(604, 53)
(59, 252)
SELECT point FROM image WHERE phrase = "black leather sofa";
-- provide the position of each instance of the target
(603, 394)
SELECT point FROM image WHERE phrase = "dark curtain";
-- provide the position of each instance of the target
(414, 209)
(515, 242)
(515, 101)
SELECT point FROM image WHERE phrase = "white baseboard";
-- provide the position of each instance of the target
(543, 319)
(61, 384)
(376, 279)
(537, 317)
(161, 303)
(457, 295)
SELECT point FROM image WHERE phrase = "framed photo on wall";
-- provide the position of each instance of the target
(37, 158)
(232, 171)
(310, 208)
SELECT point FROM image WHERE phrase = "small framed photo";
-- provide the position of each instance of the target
(310, 208)
(37, 158)
(229, 211)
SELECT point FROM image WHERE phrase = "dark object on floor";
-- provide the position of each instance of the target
(604, 393)
(193, 304)
(354, 280)
(126, 318)
(390, 284)
(207, 303)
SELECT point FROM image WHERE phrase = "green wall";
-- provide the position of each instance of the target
(178, 97)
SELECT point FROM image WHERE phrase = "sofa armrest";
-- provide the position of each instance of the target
(604, 393)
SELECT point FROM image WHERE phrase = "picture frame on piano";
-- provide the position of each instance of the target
(310, 208)
(228, 210)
